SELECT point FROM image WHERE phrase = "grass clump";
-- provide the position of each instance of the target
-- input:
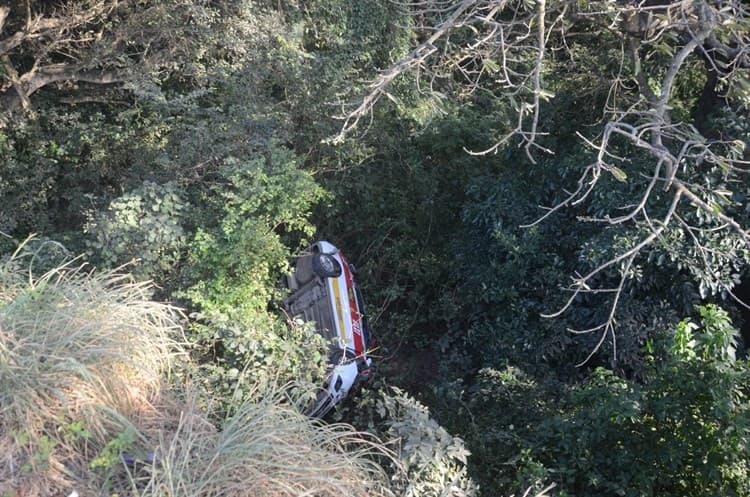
(85, 405)
(266, 449)
(80, 353)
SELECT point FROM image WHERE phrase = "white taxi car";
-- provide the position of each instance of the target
(324, 291)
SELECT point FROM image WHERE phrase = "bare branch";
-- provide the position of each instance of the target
(65, 72)
(40, 27)
(414, 59)
(508, 49)
(608, 326)
(581, 284)
(4, 11)
(578, 194)
(504, 48)
(537, 75)
(30, 83)
(15, 81)
(696, 200)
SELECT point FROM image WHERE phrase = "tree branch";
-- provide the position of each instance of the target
(15, 81)
(4, 11)
(31, 82)
(414, 59)
(506, 44)
(54, 73)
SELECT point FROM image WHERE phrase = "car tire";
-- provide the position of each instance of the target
(325, 266)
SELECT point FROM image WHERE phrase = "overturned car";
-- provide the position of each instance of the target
(325, 291)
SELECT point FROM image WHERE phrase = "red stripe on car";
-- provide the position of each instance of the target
(359, 347)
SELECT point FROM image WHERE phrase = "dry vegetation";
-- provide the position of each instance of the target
(85, 361)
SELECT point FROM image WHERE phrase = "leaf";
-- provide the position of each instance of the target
(393, 98)
(618, 173)
(491, 65)
(546, 95)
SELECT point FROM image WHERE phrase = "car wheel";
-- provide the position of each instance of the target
(326, 266)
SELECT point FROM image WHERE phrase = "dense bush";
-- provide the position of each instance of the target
(676, 432)
(233, 272)
(144, 227)
(429, 460)
(435, 461)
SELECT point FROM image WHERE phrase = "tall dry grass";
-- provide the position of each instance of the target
(83, 362)
(266, 449)
(79, 353)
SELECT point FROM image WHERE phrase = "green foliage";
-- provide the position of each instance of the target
(62, 165)
(238, 357)
(112, 452)
(344, 43)
(237, 253)
(39, 449)
(144, 227)
(435, 462)
(26, 181)
(679, 431)
(235, 260)
(718, 339)
(495, 251)
(498, 415)
(392, 213)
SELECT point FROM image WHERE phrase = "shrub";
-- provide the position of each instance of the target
(435, 461)
(236, 357)
(237, 253)
(235, 260)
(679, 430)
(144, 226)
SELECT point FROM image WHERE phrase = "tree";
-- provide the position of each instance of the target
(680, 430)
(677, 180)
(61, 47)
